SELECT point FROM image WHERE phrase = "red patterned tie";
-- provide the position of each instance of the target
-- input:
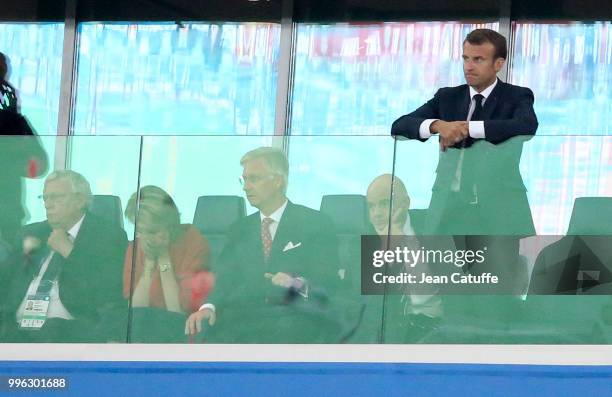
(266, 237)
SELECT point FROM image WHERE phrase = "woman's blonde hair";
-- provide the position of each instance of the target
(155, 209)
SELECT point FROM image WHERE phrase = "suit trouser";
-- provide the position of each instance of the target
(474, 227)
(494, 305)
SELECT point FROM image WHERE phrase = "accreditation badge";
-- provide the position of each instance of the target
(35, 312)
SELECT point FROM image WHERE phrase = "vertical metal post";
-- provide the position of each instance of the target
(62, 146)
(505, 28)
(282, 120)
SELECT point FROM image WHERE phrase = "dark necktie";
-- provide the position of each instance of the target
(266, 237)
(51, 274)
(53, 271)
(477, 113)
(476, 116)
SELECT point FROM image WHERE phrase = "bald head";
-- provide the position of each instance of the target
(379, 199)
(382, 184)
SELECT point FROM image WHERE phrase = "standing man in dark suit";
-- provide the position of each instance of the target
(481, 125)
(69, 277)
(479, 195)
(277, 267)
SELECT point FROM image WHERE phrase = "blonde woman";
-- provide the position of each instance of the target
(169, 255)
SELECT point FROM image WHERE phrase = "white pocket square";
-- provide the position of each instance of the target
(291, 246)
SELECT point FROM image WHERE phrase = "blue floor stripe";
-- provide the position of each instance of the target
(307, 379)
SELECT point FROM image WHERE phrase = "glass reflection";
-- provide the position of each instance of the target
(356, 79)
(308, 290)
(568, 67)
(34, 51)
(166, 78)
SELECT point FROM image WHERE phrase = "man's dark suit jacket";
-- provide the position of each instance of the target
(569, 291)
(574, 265)
(249, 308)
(90, 282)
(491, 165)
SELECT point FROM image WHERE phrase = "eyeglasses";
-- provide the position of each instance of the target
(254, 179)
(54, 197)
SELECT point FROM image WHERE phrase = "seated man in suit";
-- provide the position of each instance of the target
(412, 313)
(68, 278)
(274, 273)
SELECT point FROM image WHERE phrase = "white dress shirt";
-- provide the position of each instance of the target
(429, 305)
(475, 128)
(56, 308)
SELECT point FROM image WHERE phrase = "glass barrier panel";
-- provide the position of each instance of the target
(33, 186)
(21, 158)
(287, 280)
(190, 196)
(346, 179)
(301, 274)
(66, 273)
(515, 247)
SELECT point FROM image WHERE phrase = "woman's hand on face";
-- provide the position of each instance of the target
(149, 249)
(162, 240)
(155, 244)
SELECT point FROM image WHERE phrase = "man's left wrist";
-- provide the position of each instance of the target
(300, 285)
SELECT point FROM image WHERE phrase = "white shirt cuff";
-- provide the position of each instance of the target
(476, 129)
(301, 286)
(207, 306)
(424, 132)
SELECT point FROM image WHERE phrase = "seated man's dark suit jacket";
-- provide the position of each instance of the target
(90, 282)
(570, 289)
(491, 165)
(250, 309)
(574, 265)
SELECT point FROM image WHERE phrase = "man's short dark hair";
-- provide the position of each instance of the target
(481, 36)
